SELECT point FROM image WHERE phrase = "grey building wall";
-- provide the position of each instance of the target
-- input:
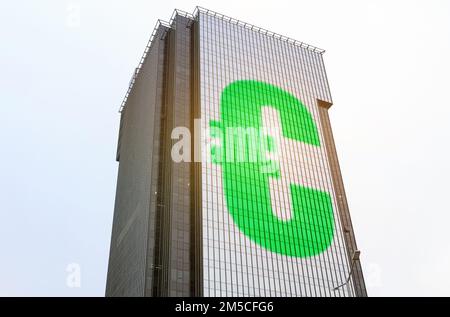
(181, 172)
(150, 245)
(172, 276)
(132, 234)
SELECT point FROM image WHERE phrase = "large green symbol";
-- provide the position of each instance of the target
(310, 229)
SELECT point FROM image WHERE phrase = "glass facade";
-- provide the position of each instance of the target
(264, 213)
(276, 233)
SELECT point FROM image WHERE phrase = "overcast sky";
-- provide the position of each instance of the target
(65, 67)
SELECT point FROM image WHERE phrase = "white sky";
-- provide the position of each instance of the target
(61, 83)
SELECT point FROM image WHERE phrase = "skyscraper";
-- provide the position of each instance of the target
(256, 204)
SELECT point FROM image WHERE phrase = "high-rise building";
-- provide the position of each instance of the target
(250, 201)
